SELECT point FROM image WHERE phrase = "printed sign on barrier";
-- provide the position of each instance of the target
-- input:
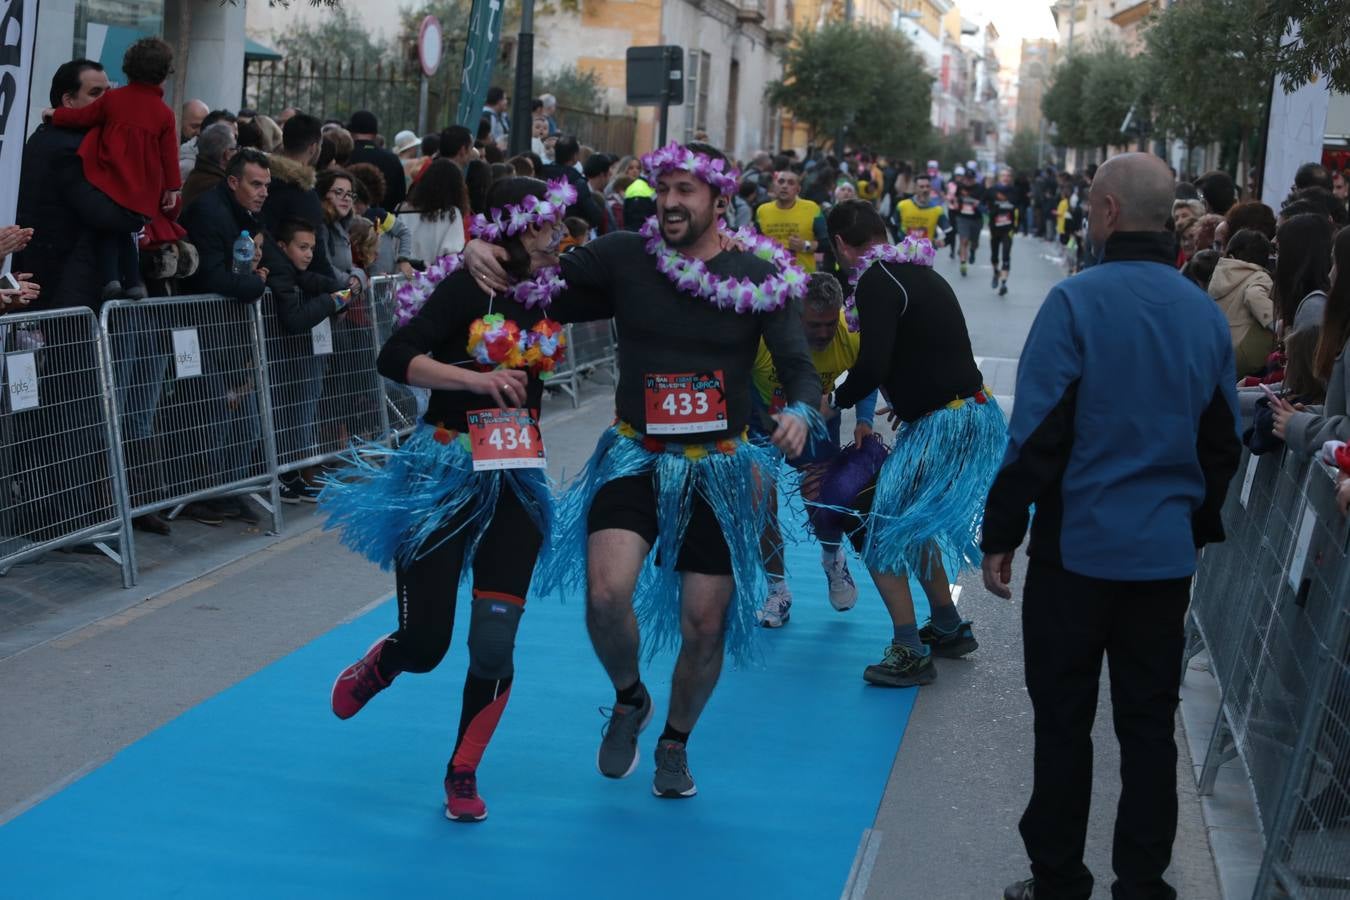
(1301, 546)
(23, 381)
(1248, 479)
(322, 337)
(187, 353)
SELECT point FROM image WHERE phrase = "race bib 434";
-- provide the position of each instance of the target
(505, 439)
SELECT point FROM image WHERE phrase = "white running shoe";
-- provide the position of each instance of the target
(843, 592)
(777, 606)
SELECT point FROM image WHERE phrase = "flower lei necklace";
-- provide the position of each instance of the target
(727, 291)
(539, 290)
(914, 251)
(496, 342)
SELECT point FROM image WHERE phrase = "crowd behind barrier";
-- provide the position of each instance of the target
(1271, 607)
(172, 400)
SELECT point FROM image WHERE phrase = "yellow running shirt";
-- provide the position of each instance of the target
(917, 221)
(781, 224)
(830, 363)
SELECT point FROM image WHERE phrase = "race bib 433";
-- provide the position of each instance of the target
(686, 403)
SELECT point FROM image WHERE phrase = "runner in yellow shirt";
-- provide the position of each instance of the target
(794, 223)
(834, 350)
(922, 215)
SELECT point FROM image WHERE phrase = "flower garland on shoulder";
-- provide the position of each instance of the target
(412, 294)
(913, 251)
(728, 292)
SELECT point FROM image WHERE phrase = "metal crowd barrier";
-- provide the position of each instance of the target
(190, 393)
(403, 405)
(591, 349)
(166, 401)
(1272, 607)
(325, 391)
(60, 481)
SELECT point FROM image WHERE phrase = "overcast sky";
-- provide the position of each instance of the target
(1014, 19)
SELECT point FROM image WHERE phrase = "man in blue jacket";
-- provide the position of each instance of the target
(1124, 439)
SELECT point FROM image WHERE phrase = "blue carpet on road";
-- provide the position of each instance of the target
(262, 792)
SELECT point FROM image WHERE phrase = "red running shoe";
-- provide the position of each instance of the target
(359, 682)
(462, 803)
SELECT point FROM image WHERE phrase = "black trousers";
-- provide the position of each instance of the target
(1069, 622)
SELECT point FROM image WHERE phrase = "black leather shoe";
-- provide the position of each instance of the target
(151, 523)
(1021, 890)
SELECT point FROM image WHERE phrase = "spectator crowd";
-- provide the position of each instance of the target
(120, 198)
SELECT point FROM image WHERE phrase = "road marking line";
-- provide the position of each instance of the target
(863, 863)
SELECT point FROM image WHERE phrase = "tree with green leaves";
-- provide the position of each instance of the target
(1063, 103)
(573, 87)
(868, 80)
(1322, 48)
(1024, 152)
(1209, 67)
(1109, 92)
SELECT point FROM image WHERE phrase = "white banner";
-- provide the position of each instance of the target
(18, 29)
(1298, 123)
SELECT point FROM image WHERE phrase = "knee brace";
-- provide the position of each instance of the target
(492, 633)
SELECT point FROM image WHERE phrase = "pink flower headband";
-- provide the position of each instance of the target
(530, 211)
(677, 158)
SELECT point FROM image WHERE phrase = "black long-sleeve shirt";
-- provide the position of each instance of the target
(664, 331)
(914, 342)
(441, 328)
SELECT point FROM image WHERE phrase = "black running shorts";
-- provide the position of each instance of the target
(630, 504)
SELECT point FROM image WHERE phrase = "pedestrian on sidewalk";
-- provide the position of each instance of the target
(1123, 437)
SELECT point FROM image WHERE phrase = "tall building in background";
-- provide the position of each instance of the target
(1033, 76)
(730, 51)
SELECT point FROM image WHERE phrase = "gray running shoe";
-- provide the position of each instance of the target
(618, 755)
(902, 667)
(672, 780)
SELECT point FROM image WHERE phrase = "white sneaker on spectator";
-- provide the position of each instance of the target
(777, 606)
(843, 592)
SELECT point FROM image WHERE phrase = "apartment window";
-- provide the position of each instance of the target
(696, 93)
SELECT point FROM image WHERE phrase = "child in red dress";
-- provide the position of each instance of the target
(131, 154)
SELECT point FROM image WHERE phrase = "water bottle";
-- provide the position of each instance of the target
(243, 254)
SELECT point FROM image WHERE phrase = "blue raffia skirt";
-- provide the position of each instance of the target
(932, 488)
(388, 503)
(734, 476)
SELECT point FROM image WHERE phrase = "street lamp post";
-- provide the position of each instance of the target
(523, 96)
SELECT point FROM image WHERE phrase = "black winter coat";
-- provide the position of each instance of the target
(213, 224)
(301, 299)
(291, 195)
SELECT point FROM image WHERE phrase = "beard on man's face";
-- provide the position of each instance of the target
(682, 227)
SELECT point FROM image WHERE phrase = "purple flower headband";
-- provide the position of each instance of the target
(516, 218)
(676, 157)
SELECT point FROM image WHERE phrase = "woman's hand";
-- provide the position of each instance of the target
(170, 200)
(28, 292)
(483, 260)
(1283, 411)
(505, 386)
(13, 239)
(406, 269)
